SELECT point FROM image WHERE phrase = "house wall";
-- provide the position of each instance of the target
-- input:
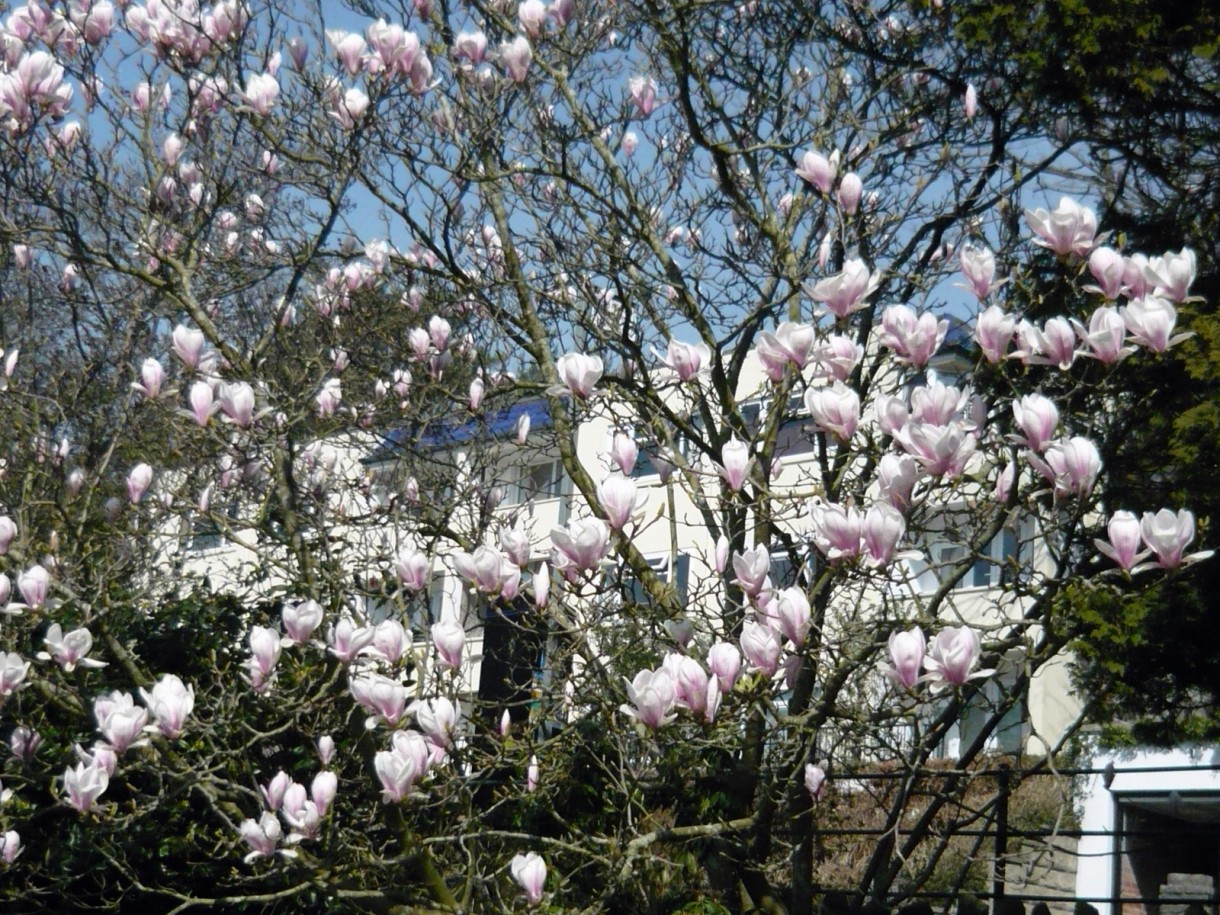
(671, 525)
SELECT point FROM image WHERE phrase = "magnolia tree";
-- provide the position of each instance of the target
(756, 276)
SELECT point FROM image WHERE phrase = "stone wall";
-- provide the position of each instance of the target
(1044, 868)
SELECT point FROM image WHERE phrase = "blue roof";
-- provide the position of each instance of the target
(447, 433)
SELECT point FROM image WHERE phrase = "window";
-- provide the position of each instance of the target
(536, 482)
(206, 533)
(995, 565)
(631, 591)
(1009, 733)
(796, 432)
(785, 573)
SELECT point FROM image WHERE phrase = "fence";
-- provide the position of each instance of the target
(1162, 855)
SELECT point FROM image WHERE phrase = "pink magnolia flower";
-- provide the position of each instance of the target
(896, 477)
(349, 48)
(1135, 276)
(120, 720)
(792, 611)
(470, 47)
(652, 697)
(1108, 268)
(532, 775)
(391, 641)
(562, 11)
(203, 404)
(1056, 343)
(414, 570)
(724, 661)
(322, 791)
(349, 107)
(262, 835)
(1105, 335)
(891, 412)
(685, 359)
(10, 846)
(737, 463)
(851, 188)
(791, 343)
(1168, 534)
(102, 755)
(188, 345)
(618, 497)
(437, 718)
(138, 480)
(531, 15)
(516, 56)
(34, 584)
(970, 101)
(237, 403)
(516, 545)
(542, 585)
(300, 620)
(529, 871)
(1150, 322)
(815, 781)
(834, 409)
(624, 452)
(402, 766)
(262, 92)
(329, 398)
(449, 639)
(907, 653)
(1124, 545)
(386, 699)
(8, 530)
(837, 529)
(845, 292)
(397, 52)
(761, 646)
(276, 789)
(643, 91)
(152, 377)
(690, 682)
(69, 650)
(913, 338)
(750, 568)
(721, 554)
(978, 267)
(487, 568)
(883, 528)
(1172, 274)
(631, 142)
(1038, 418)
(264, 649)
(1070, 229)
(1072, 465)
(347, 641)
(943, 450)
(326, 749)
(993, 330)
(579, 373)
(13, 670)
(171, 703)
(953, 656)
(24, 742)
(817, 170)
(84, 784)
(580, 547)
